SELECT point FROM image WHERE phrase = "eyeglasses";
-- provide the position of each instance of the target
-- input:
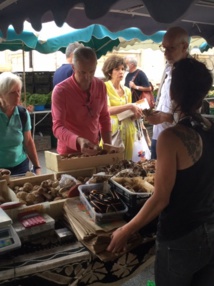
(168, 49)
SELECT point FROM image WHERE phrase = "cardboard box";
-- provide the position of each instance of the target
(42, 142)
(55, 163)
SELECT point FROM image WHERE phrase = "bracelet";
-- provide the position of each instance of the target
(36, 168)
(137, 87)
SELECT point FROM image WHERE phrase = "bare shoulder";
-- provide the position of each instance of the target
(187, 139)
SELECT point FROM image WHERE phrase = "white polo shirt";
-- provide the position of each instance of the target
(164, 104)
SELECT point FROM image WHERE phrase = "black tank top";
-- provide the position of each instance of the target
(192, 198)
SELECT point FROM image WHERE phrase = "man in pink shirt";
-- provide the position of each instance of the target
(79, 107)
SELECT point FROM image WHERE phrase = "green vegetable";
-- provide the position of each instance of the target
(38, 99)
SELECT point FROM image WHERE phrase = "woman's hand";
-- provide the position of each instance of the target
(138, 113)
(119, 240)
(38, 171)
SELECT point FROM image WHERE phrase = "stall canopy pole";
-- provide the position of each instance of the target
(24, 78)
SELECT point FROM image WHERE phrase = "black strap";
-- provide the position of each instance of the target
(23, 116)
(134, 77)
(135, 95)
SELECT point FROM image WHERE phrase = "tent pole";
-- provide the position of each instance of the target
(24, 78)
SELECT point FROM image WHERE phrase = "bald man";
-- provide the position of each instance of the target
(175, 47)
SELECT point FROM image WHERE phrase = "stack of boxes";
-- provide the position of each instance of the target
(37, 82)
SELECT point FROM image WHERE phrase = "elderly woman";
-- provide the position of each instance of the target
(16, 143)
(184, 187)
(119, 100)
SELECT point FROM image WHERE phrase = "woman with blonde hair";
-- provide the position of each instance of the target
(119, 100)
(16, 142)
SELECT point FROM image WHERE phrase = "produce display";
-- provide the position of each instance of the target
(80, 155)
(36, 98)
(47, 190)
(136, 184)
(4, 173)
(134, 177)
(104, 202)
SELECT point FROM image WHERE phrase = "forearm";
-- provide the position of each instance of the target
(30, 149)
(143, 88)
(159, 117)
(151, 209)
(113, 110)
(106, 136)
(166, 117)
(65, 135)
(148, 212)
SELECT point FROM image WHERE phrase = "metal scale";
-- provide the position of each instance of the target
(9, 240)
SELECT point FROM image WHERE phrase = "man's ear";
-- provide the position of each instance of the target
(186, 46)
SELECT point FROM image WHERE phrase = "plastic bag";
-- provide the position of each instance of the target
(116, 139)
(140, 148)
(67, 181)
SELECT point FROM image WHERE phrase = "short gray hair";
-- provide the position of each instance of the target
(71, 48)
(7, 81)
(131, 60)
(84, 54)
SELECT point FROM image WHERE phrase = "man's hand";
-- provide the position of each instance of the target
(132, 84)
(154, 117)
(158, 117)
(86, 147)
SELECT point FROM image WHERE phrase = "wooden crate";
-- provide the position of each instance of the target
(55, 163)
(53, 208)
(34, 180)
(6, 193)
(77, 173)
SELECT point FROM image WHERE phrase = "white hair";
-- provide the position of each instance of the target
(7, 82)
(131, 60)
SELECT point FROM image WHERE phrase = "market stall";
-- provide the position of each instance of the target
(48, 257)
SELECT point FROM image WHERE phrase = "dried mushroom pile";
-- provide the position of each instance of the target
(48, 190)
(124, 170)
(4, 173)
(79, 155)
(139, 178)
(115, 168)
(104, 202)
(136, 184)
(127, 173)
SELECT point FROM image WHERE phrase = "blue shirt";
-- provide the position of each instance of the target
(11, 139)
(62, 73)
(139, 80)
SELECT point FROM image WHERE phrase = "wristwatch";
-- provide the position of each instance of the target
(34, 168)
(137, 87)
